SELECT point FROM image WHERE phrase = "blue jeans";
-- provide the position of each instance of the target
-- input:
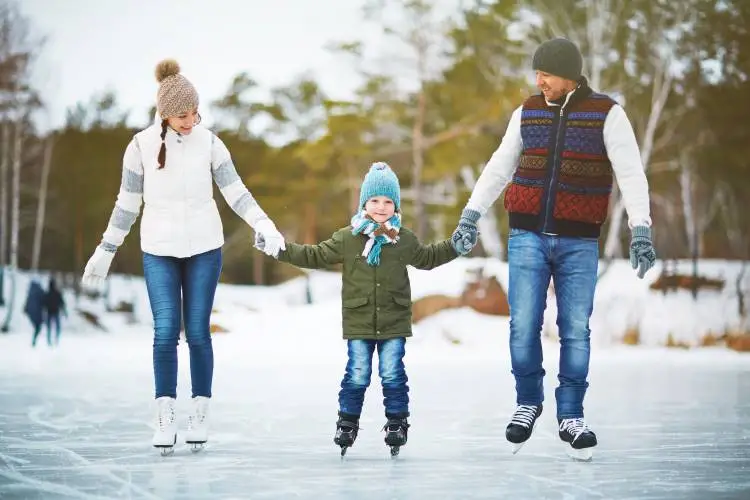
(571, 263)
(53, 318)
(175, 287)
(392, 375)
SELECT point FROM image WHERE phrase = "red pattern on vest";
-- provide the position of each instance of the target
(583, 172)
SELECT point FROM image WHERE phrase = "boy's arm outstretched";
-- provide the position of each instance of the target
(433, 255)
(325, 253)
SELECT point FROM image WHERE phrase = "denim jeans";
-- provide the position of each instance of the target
(178, 286)
(53, 318)
(534, 259)
(392, 375)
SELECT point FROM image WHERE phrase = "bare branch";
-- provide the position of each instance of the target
(673, 120)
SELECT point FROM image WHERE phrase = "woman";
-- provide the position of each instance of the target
(169, 168)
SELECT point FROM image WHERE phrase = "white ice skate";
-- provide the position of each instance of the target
(197, 424)
(165, 435)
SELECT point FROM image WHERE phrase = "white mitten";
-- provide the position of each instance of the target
(273, 240)
(97, 268)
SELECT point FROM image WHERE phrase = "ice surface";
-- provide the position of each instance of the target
(74, 423)
(672, 424)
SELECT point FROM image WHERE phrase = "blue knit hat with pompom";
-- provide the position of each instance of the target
(380, 181)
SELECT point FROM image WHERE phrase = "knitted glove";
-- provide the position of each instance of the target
(97, 268)
(268, 239)
(464, 238)
(642, 254)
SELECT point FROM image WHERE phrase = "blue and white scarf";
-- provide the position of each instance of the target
(380, 234)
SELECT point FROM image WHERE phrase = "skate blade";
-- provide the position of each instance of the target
(343, 451)
(516, 447)
(165, 451)
(196, 446)
(395, 451)
(582, 455)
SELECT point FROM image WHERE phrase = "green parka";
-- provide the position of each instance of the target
(375, 300)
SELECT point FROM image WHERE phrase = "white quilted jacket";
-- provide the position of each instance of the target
(180, 217)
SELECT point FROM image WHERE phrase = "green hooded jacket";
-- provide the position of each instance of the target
(375, 300)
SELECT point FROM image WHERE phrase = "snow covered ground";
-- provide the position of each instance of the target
(75, 420)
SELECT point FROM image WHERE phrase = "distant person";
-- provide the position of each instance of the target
(376, 299)
(563, 150)
(54, 305)
(169, 167)
(34, 309)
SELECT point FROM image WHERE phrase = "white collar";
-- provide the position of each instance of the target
(567, 98)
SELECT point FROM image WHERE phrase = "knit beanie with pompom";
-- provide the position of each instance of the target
(176, 95)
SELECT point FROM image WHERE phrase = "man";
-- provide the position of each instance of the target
(560, 153)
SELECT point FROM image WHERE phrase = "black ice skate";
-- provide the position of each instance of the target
(396, 434)
(576, 433)
(522, 425)
(346, 432)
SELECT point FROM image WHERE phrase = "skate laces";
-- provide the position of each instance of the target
(347, 426)
(166, 415)
(199, 414)
(574, 427)
(524, 416)
(395, 425)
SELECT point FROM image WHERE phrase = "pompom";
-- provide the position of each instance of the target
(167, 67)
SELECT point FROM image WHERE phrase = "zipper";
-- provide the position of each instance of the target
(185, 202)
(375, 317)
(549, 207)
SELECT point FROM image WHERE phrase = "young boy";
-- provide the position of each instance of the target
(376, 299)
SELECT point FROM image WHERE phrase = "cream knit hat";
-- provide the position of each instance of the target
(176, 94)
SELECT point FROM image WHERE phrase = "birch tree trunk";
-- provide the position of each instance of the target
(41, 206)
(418, 167)
(4, 195)
(4, 207)
(15, 218)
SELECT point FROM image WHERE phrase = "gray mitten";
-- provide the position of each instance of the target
(464, 238)
(642, 253)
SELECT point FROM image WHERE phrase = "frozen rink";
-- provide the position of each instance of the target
(74, 423)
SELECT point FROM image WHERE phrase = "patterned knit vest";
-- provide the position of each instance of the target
(564, 179)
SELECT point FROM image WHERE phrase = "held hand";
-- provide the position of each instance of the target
(642, 253)
(268, 239)
(260, 242)
(97, 268)
(465, 236)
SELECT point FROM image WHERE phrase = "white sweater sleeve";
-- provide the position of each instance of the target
(500, 168)
(129, 199)
(625, 156)
(231, 186)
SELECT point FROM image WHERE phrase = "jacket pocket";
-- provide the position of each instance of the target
(355, 302)
(358, 317)
(402, 301)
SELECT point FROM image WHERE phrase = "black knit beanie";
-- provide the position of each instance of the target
(559, 57)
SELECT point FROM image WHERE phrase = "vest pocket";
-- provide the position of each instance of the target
(523, 199)
(585, 206)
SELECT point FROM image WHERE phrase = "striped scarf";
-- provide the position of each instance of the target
(379, 234)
